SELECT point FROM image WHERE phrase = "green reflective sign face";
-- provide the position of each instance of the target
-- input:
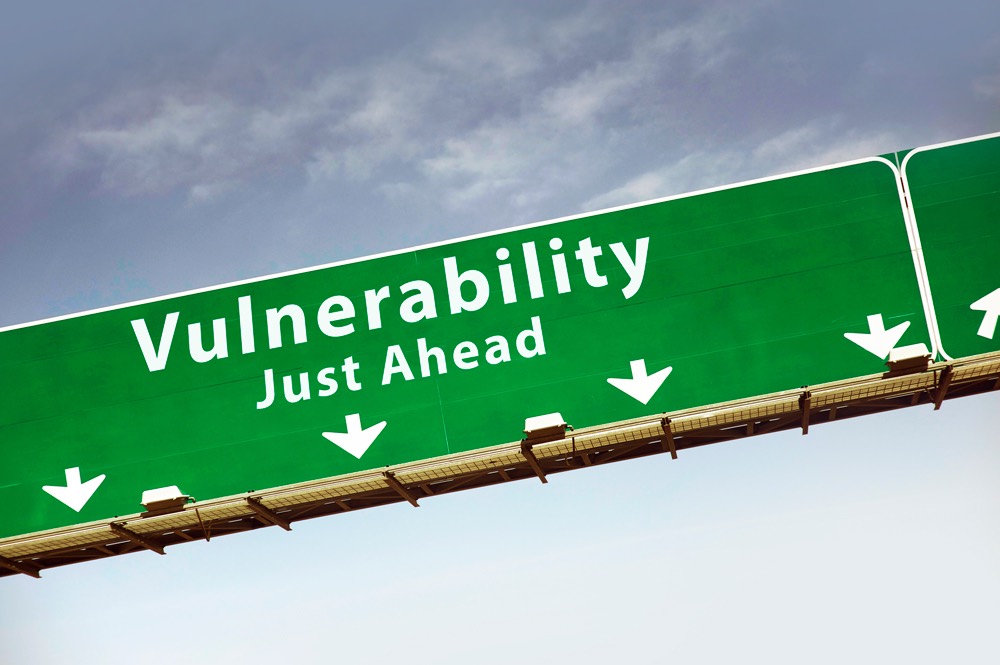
(691, 301)
(955, 191)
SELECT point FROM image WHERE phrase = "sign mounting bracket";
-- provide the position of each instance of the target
(132, 536)
(390, 480)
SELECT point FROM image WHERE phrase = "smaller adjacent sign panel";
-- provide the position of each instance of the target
(955, 194)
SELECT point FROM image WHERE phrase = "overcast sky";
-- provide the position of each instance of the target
(147, 149)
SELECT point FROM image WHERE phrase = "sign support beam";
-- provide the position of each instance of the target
(205, 531)
(804, 404)
(942, 389)
(668, 439)
(533, 461)
(266, 515)
(20, 567)
(132, 536)
(633, 440)
(390, 479)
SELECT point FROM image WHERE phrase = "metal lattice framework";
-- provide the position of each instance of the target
(657, 434)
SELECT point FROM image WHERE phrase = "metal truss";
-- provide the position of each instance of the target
(665, 433)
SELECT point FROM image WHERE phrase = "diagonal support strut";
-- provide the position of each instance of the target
(390, 480)
(149, 544)
(533, 461)
(20, 567)
(805, 400)
(942, 388)
(267, 515)
(668, 438)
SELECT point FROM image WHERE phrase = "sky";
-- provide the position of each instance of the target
(151, 149)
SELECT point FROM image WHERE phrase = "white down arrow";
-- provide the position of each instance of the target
(641, 386)
(356, 440)
(878, 340)
(75, 494)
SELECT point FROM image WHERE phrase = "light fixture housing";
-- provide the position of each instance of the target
(911, 359)
(548, 427)
(163, 500)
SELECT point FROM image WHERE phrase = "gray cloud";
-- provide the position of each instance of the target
(817, 143)
(294, 137)
(433, 108)
(595, 103)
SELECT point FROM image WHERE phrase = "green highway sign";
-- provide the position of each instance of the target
(692, 300)
(955, 191)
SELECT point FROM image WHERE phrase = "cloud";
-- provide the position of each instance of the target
(697, 170)
(490, 50)
(180, 139)
(820, 142)
(987, 86)
(817, 143)
(574, 121)
(503, 111)
(152, 144)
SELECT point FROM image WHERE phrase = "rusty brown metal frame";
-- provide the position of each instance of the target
(120, 540)
(21, 567)
(667, 445)
(532, 461)
(265, 514)
(136, 539)
(390, 479)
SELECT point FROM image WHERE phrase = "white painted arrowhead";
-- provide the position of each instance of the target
(356, 440)
(641, 386)
(75, 494)
(878, 340)
(990, 304)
